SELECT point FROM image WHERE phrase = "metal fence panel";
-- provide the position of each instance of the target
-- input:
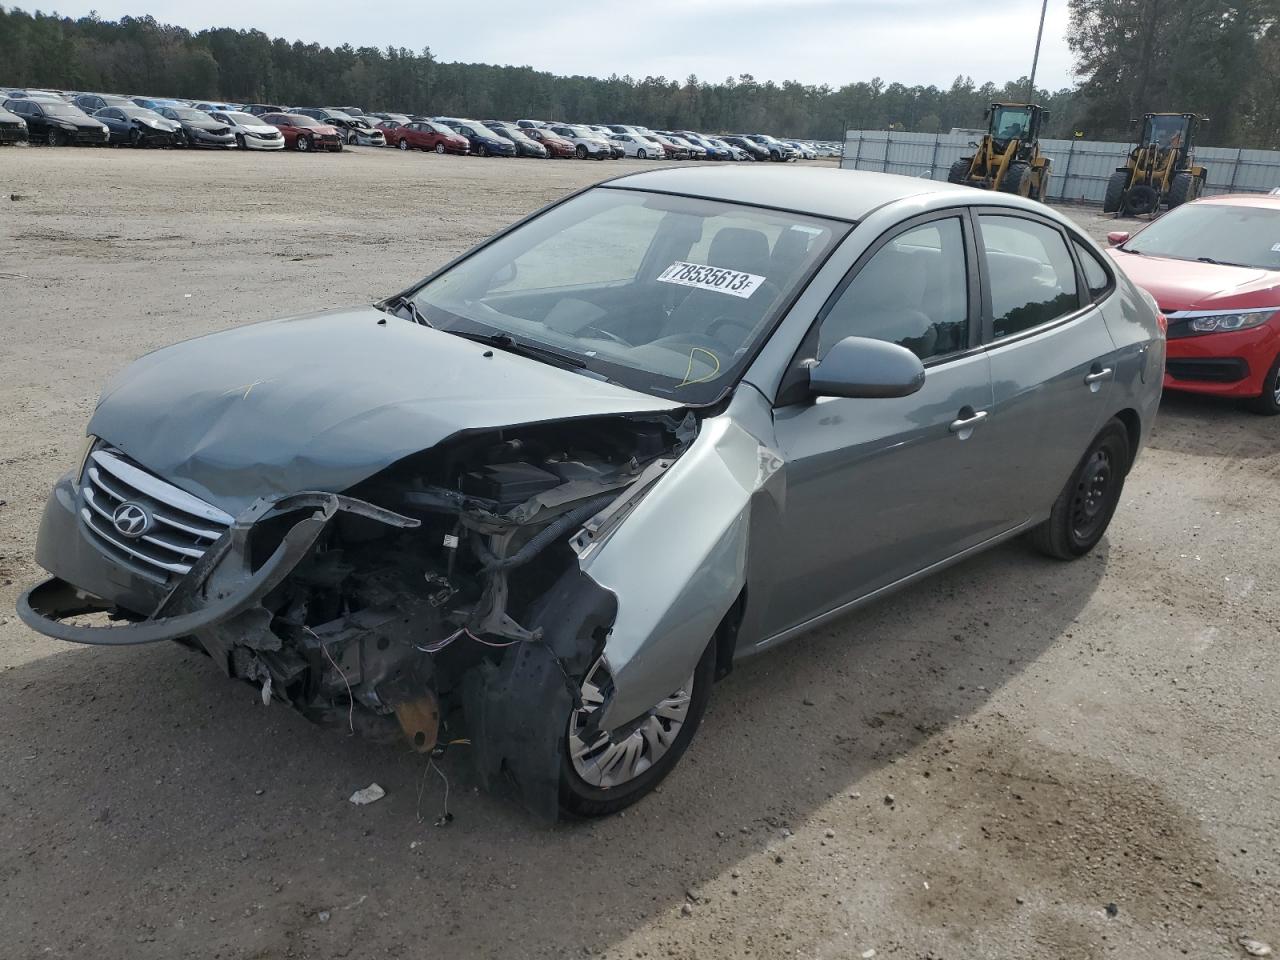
(1080, 170)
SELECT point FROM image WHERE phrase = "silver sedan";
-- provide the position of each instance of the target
(544, 498)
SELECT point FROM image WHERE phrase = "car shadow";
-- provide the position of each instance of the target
(1212, 427)
(176, 812)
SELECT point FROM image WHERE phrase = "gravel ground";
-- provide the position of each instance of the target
(1018, 758)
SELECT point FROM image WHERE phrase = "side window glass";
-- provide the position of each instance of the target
(1032, 277)
(1096, 277)
(914, 292)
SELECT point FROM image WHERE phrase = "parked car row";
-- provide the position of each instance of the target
(59, 118)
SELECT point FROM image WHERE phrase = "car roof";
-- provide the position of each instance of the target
(1264, 200)
(846, 194)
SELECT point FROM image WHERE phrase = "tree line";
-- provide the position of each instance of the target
(1215, 56)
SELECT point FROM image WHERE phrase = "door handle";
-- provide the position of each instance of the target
(1097, 376)
(966, 424)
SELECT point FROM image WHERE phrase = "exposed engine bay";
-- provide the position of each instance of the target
(440, 595)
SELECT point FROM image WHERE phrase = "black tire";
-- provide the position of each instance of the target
(403, 145)
(959, 172)
(1141, 200)
(135, 137)
(1083, 511)
(1268, 403)
(440, 149)
(482, 151)
(579, 799)
(1113, 199)
(1040, 183)
(240, 145)
(641, 155)
(1017, 180)
(1184, 188)
(581, 152)
(302, 144)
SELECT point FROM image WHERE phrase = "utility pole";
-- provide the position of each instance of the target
(1035, 61)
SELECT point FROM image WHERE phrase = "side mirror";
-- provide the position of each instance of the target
(1117, 237)
(505, 274)
(859, 367)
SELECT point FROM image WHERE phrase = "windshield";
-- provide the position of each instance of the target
(300, 120)
(1242, 236)
(246, 118)
(142, 112)
(441, 128)
(59, 109)
(667, 295)
(1010, 122)
(182, 114)
(1165, 132)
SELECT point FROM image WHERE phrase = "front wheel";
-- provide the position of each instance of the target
(581, 152)
(303, 144)
(641, 155)
(1114, 196)
(1016, 180)
(959, 172)
(55, 137)
(1268, 403)
(240, 141)
(482, 151)
(1084, 509)
(1184, 188)
(440, 149)
(606, 771)
(403, 145)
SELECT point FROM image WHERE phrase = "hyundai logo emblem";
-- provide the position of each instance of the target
(131, 519)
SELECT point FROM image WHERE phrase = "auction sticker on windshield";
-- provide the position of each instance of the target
(722, 280)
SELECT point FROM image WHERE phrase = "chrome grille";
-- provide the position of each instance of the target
(182, 528)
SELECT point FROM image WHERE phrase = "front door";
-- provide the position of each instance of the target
(878, 489)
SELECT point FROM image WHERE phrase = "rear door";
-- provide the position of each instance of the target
(1052, 359)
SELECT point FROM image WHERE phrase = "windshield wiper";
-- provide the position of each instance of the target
(1220, 263)
(408, 304)
(508, 343)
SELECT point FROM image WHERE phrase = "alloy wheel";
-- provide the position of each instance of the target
(612, 758)
(440, 148)
(404, 145)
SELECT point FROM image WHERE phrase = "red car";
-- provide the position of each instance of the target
(1214, 268)
(424, 135)
(557, 146)
(304, 133)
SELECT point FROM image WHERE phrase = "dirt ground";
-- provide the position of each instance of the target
(1019, 758)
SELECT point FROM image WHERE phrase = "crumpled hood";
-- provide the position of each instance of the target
(322, 402)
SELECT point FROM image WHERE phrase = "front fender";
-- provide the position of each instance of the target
(678, 562)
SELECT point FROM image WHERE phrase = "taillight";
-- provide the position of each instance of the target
(1163, 323)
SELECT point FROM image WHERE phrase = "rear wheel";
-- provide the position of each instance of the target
(1084, 509)
(1017, 180)
(1268, 404)
(603, 772)
(959, 172)
(1114, 197)
(1184, 189)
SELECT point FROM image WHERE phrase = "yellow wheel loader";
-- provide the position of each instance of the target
(1161, 168)
(1008, 159)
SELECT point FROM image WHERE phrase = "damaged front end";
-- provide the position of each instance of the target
(440, 597)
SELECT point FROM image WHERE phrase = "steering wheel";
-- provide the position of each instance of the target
(607, 335)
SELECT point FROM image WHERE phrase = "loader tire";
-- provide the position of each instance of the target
(1185, 188)
(959, 172)
(1114, 197)
(1141, 200)
(1017, 180)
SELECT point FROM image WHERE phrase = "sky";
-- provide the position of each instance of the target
(813, 41)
